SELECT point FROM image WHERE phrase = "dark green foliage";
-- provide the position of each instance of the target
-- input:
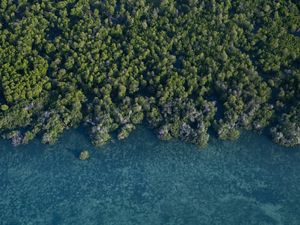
(185, 67)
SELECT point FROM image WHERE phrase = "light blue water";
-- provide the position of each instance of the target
(145, 181)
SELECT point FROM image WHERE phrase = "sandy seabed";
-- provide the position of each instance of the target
(146, 181)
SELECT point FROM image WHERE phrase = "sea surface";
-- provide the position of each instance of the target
(142, 180)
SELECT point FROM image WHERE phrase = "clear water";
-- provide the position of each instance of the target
(146, 181)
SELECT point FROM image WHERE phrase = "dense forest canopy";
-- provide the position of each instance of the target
(188, 68)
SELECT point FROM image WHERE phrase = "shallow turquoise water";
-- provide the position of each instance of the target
(146, 181)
